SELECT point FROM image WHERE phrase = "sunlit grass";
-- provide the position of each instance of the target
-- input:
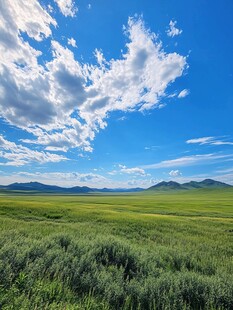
(139, 251)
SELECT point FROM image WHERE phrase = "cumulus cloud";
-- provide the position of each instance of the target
(17, 155)
(134, 170)
(64, 103)
(183, 93)
(209, 141)
(175, 173)
(173, 31)
(72, 42)
(67, 7)
(25, 16)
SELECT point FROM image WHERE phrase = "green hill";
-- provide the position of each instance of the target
(175, 186)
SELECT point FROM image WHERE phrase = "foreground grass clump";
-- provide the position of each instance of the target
(60, 269)
(116, 252)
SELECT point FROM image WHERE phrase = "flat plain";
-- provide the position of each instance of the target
(120, 251)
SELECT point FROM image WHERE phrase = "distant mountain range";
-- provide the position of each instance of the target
(171, 185)
(43, 188)
(36, 187)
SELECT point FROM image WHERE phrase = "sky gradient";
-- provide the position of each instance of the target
(116, 93)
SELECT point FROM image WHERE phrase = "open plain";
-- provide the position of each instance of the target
(117, 251)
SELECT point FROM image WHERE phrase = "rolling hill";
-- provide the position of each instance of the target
(174, 186)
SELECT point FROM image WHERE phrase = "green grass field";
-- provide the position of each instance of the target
(142, 251)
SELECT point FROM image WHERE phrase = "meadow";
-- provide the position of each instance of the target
(129, 251)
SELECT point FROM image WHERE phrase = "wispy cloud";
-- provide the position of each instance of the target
(188, 161)
(173, 30)
(151, 148)
(226, 177)
(17, 155)
(122, 118)
(209, 141)
(183, 93)
(226, 170)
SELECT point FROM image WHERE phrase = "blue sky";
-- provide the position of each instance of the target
(116, 93)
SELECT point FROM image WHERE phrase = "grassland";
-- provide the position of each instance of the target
(142, 251)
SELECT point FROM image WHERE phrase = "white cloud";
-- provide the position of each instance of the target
(67, 7)
(227, 170)
(125, 170)
(72, 42)
(17, 155)
(152, 148)
(64, 103)
(62, 178)
(183, 93)
(25, 16)
(226, 178)
(173, 31)
(99, 57)
(209, 141)
(50, 8)
(175, 173)
(89, 6)
(122, 118)
(69, 179)
(135, 170)
(161, 105)
(188, 161)
(219, 142)
(143, 183)
(204, 140)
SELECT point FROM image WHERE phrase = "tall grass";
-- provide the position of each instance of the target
(94, 257)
